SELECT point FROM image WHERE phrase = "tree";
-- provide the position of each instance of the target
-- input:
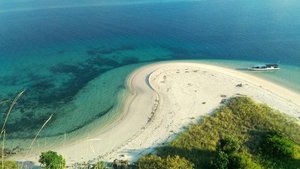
(51, 160)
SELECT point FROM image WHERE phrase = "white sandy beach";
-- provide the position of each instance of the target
(165, 97)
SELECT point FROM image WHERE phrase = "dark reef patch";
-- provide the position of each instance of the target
(102, 61)
(63, 68)
(48, 92)
(130, 60)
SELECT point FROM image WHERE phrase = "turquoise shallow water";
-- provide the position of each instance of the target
(73, 61)
(288, 76)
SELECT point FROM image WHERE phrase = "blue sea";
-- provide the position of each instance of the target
(73, 58)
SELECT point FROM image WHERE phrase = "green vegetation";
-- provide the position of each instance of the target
(155, 162)
(51, 160)
(99, 165)
(276, 146)
(281, 151)
(9, 165)
(120, 164)
(229, 156)
(240, 134)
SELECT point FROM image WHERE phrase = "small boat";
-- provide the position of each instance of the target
(265, 67)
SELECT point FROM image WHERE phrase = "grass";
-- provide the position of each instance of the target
(243, 119)
(2, 152)
(34, 139)
(5, 164)
(14, 102)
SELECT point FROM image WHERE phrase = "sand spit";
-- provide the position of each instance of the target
(164, 98)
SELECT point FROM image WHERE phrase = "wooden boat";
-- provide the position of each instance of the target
(265, 67)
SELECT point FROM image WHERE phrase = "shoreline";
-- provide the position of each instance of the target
(159, 95)
(242, 65)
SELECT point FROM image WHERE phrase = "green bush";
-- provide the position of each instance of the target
(156, 162)
(278, 147)
(51, 160)
(228, 156)
(228, 145)
(151, 162)
(233, 161)
(242, 161)
(9, 165)
(221, 161)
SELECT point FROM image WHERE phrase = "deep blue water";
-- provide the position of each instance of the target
(56, 52)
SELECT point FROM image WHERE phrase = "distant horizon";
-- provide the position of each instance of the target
(15, 6)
